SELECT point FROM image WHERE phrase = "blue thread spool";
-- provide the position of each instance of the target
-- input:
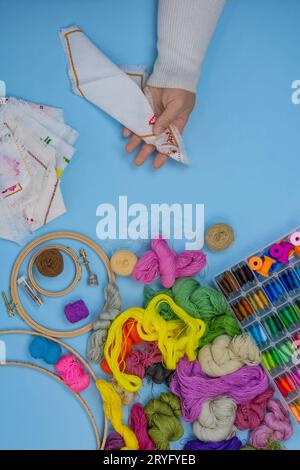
(295, 279)
(268, 292)
(284, 282)
(279, 288)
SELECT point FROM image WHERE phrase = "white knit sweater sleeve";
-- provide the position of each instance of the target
(184, 30)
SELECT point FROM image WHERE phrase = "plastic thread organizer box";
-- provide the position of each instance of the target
(263, 292)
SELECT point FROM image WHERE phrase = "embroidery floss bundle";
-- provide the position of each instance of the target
(175, 338)
(276, 426)
(200, 302)
(194, 387)
(226, 355)
(163, 262)
(112, 406)
(251, 414)
(159, 374)
(72, 372)
(163, 420)
(216, 420)
(138, 424)
(139, 360)
(101, 325)
(43, 348)
(231, 444)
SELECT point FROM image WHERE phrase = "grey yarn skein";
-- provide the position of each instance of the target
(102, 324)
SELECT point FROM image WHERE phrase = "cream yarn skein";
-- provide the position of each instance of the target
(216, 421)
(228, 354)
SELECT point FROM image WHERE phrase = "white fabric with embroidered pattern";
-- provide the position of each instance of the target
(103, 83)
(35, 147)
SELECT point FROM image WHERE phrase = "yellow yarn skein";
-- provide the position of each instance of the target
(112, 406)
(175, 338)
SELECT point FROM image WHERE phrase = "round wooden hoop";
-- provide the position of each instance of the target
(14, 277)
(73, 284)
(100, 444)
(58, 379)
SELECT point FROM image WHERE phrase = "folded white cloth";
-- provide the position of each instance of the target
(100, 81)
(35, 147)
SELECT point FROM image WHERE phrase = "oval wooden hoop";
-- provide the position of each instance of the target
(100, 444)
(14, 277)
(73, 284)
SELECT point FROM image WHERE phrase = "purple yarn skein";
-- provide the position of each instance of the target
(76, 311)
(231, 444)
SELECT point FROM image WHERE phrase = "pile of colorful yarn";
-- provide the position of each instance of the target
(186, 338)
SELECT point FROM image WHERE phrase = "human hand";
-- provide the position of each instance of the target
(171, 106)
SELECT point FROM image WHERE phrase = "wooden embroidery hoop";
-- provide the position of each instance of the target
(75, 280)
(100, 444)
(16, 301)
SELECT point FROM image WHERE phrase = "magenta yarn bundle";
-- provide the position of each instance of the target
(72, 372)
(276, 426)
(193, 387)
(140, 359)
(251, 414)
(163, 262)
(138, 424)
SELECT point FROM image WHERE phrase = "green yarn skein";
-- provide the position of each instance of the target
(200, 302)
(163, 420)
(272, 446)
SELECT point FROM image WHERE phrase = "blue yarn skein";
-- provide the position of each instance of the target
(42, 348)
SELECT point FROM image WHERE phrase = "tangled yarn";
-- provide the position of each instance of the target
(158, 373)
(175, 338)
(138, 424)
(139, 360)
(127, 398)
(43, 348)
(216, 420)
(163, 420)
(250, 415)
(50, 263)
(231, 444)
(163, 262)
(276, 426)
(194, 387)
(130, 338)
(70, 369)
(199, 302)
(112, 406)
(114, 441)
(226, 355)
(101, 325)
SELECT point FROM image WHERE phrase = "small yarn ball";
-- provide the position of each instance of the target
(163, 417)
(123, 262)
(50, 263)
(72, 372)
(218, 237)
(216, 420)
(231, 444)
(76, 311)
(227, 354)
(114, 441)
(43, 348)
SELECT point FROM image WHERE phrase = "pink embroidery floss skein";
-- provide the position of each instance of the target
(138, 424)
(193, 387)
(251, 414)
(72, 372)
(276, 426)
(163, 262)
(139, 360)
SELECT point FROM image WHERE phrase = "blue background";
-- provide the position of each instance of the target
(243, 140)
